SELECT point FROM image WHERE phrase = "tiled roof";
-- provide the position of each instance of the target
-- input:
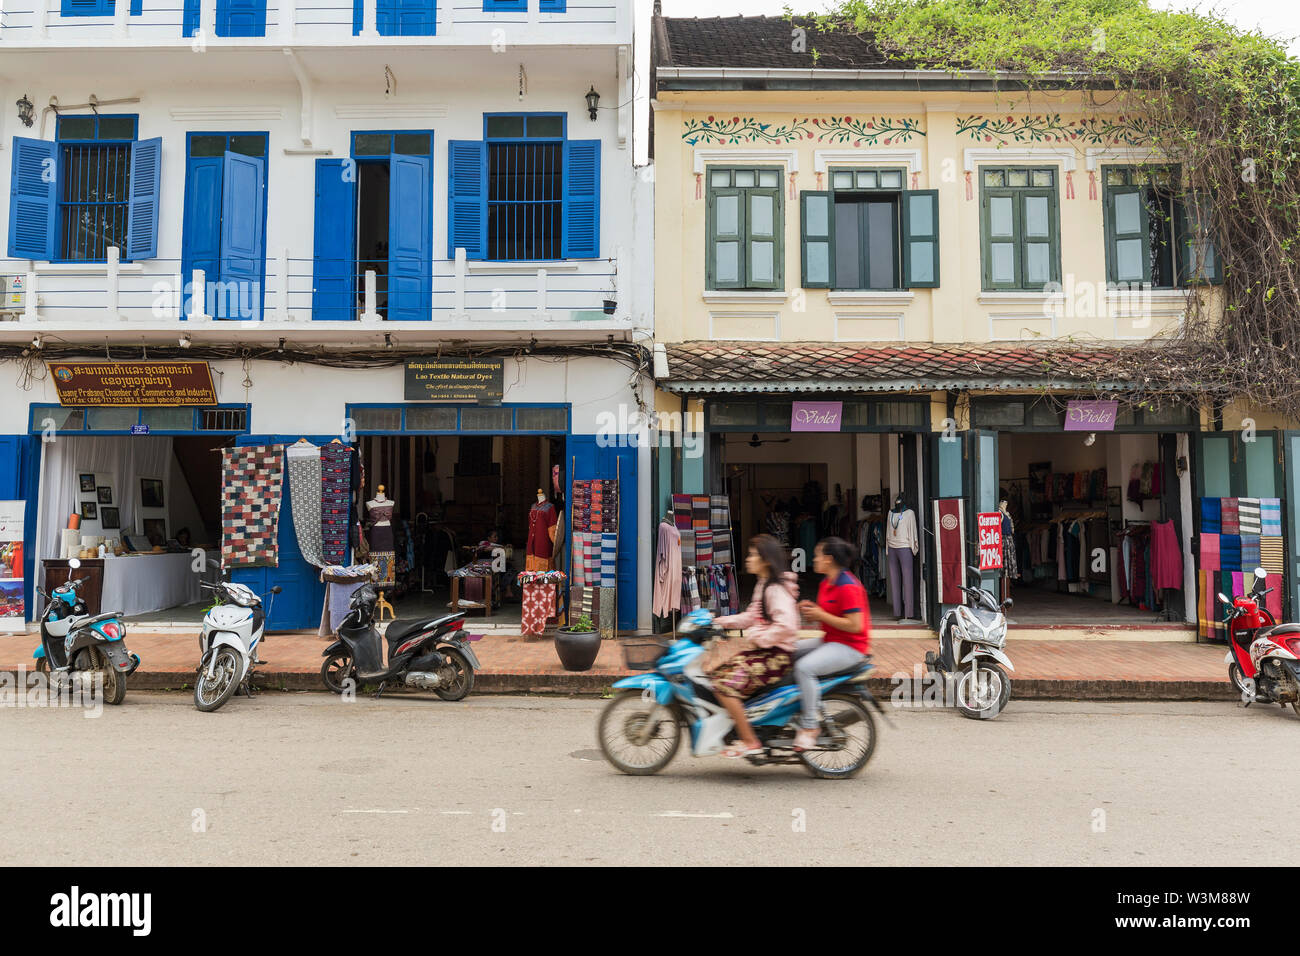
(816, 366)
(763, 42)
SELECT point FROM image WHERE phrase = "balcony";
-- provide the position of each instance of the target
(91, 300)
(205, 24)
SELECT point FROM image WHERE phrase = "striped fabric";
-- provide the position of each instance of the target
(608, 560)
(1211, 512)
(1271, 555)
(722, 547)
(1248, 515)
(703, 548)
(688, 549)
(700, 512)
(1209, 552)
(719, 512)
(682, 512)
(1270, 516)
(690, 592)
(1229, 552)
(1250, 552)
(1230, 520)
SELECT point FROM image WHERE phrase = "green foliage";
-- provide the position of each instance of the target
(583, 623)
(1223, 101)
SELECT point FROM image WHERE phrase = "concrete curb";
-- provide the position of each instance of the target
(584, 684)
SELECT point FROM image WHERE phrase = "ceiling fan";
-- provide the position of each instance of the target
(756, 442)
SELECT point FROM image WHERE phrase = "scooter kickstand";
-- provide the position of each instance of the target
(379, 690)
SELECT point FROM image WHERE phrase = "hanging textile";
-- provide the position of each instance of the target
(950, 525)
(690, 591)
(1230, 552)
(1250, 552)
(682, 512)
(1166, 556)
(668, 571)
(335, 501)
(688, 549)
(704, 548)
(608, 560)
(539, 605)
(250, 506)
(1248, 515)
(605, 616)
(722, 547)
(700, 512)
(1270, 516)
(1212, 516)
(302, 461)
(1209, 552)
(1271, 555)
(1229, 519)
(719, 512)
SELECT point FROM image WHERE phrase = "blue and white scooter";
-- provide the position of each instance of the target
(640, 728)
(73, 641)
(228, 644)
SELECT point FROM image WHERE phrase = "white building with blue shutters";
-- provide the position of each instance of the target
(305, 197)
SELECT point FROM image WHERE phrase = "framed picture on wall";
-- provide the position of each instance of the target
(151, 493)
(105, 494)
(1114, 498)
(89, 510)
(108, 519)
(87, 483)
(155, 529)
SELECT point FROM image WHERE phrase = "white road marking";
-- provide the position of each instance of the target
(376, 811)
(695, 816)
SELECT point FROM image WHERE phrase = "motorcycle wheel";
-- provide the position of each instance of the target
(1237, 677)
(462, 677)
(990, 699)
(622, 719)
(114, 683)
(211, 693)
(336, 670)
(853, 733)
(42, 665)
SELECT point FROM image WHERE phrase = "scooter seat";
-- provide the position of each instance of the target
(1280, 630)
(400, 630)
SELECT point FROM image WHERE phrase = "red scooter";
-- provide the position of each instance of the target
(1263, 656)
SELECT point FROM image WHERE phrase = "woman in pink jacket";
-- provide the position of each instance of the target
(771, 624)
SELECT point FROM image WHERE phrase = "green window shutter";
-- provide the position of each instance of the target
(763, 233)
(1128, 242)
(1199, 256)
(1039, 241)
(816, 238)
(1000, 239)
(920, 216)
(726, 236)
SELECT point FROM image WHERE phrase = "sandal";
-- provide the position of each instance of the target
(740, 750)
(802, 739)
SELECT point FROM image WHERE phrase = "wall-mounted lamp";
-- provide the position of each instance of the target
(593, 103)
(26, 111)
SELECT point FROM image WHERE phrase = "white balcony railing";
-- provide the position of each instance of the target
(464, 295)
(163, 23)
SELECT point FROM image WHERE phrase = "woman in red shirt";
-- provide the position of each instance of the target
(845, 619)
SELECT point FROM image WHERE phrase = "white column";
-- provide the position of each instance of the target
(29, 298)
(281, 274)
(39, 13)
(120, 13)
(208, 17)
(371, 313)
(288, 13)
(461, 269)
(446, 17)
(620, 281)
(541, 293)
(178, 299)
(113, 273)
(369, 21)
(198, 296)
(534, 8)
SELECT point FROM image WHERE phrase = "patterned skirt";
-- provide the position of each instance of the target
(751, 671)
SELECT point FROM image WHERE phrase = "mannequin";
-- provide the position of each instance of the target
(379, 510)
(902, 545)
(1009, 567)
(542, 520)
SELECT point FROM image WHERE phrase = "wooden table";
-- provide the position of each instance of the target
(485, 605)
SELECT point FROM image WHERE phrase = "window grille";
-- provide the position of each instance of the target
(525, 200)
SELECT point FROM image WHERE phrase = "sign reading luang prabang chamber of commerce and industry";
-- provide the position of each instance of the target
(455, 380)
(83, 384)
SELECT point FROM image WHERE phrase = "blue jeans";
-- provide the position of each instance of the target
(812, 658)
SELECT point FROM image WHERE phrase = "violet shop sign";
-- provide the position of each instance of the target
(816, 416)
(1091, 416)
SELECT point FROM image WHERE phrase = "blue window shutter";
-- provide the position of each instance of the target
(243, 235)
(241, 18)
(142, 211)
(410, 238)
(553, 6)
(86, 8)
(201, 231)
(335, 242)
(357, 11)
(190, 18)
(467, 199)
(581, 238)
(32, 192)
(137, 8)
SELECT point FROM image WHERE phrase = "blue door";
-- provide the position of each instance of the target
(589, 460)
(242, 236)
(202, 227)
(335, 240)
(20, 474)
(410, 238)
(299, 605)
(400, 18)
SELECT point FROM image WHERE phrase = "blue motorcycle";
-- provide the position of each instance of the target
(72, 640)
(640, 729)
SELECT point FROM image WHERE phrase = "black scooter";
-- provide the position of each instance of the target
(426, 653)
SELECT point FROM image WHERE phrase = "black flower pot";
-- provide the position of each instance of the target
(610, 306)
(577, 649)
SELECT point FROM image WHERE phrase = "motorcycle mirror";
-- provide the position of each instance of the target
(974, 570)
(74, 563)
(276, 589)
(1225, 599)
(1007, 604)
(1260, 573)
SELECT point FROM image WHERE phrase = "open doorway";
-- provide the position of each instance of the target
(373, 180)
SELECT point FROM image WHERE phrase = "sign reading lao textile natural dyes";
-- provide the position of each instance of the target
(97, 384)
(455, 380)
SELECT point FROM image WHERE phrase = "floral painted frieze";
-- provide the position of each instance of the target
(847, 130)
(1052, 128)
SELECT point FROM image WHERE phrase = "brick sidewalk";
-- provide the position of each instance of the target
(1094, 668)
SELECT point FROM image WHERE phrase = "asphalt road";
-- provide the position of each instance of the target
(304, 778)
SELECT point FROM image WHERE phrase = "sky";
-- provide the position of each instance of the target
(1279, 18)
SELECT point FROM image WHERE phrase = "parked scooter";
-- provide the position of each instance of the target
(228, 644)
(427, 653)
(73, 641)
(640, 729)
(971, 639)
(1263, 656)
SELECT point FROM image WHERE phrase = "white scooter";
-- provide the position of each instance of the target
(228, 644)
(971, 638)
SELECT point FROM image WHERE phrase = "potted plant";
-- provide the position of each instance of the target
(578, 644)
